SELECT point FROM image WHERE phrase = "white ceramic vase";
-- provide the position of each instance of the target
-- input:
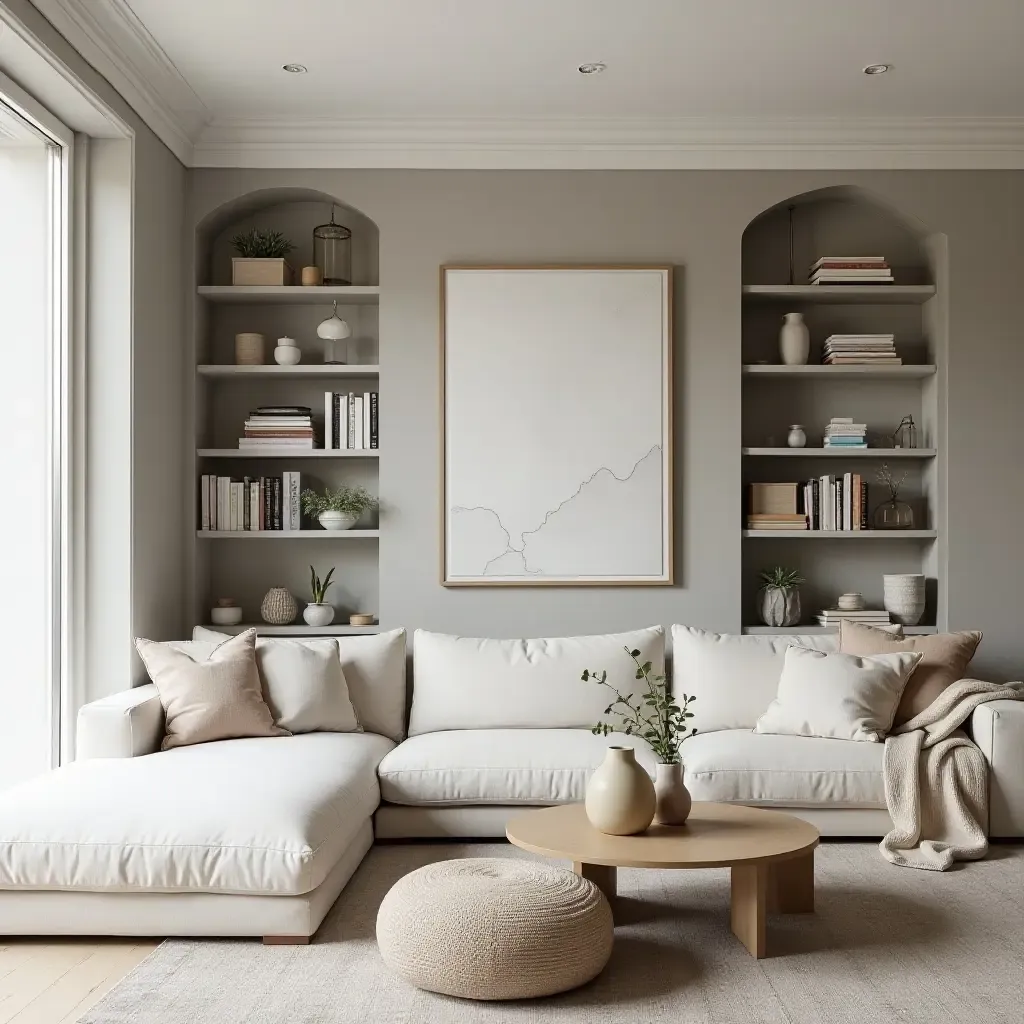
(333, 520)
(780, 607)
(279, 607)
(287, 353)
(797, 436)
(794, 340)
(903, 597)
(672, 798)
(318, 614)
(620, 795)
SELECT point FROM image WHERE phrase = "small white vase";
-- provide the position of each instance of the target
(794, 340)
(620, 795)
(673, 801)
(333, 520)
(318, 614)
(287, 352)
(851, 602)
(797, 437)
(903, 597)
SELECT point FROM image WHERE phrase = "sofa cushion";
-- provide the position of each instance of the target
(734, 678)
(374, 668)
(470, 683)
(253, 816)
(783, 771)
(498, 766)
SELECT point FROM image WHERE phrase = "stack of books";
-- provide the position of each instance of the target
(251, 503)
(279, 426)
(773, 508)
(851, 270)
(842, 432)
(867, 617)
(350, 421)
(854, 349)
(776, 521)
(836, 503)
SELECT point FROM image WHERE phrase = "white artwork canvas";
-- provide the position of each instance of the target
(557, 425)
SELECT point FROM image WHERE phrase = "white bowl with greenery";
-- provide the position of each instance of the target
(340, 509)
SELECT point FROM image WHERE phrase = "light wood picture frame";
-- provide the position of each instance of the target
(556, 420)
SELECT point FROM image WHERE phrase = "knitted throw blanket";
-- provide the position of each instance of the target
(936, 781)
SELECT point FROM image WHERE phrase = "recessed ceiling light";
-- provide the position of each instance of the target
(591, 69)
(876, 69)
(294, 69)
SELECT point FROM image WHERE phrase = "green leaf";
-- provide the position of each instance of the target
(586, 675)
(634, 654)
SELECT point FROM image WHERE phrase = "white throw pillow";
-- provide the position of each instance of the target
(838, 696)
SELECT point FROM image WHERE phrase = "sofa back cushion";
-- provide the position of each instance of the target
(471, 683)
(734, 678)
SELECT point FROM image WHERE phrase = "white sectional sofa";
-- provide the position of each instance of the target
(259, 836)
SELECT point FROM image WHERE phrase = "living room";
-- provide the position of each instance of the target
(298, 728)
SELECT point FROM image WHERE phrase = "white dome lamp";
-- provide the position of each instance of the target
(334, 331)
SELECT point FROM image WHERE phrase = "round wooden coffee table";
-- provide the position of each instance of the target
(771, 855)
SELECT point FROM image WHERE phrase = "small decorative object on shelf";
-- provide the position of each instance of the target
(249, 349)
(340, 509)
(311, 277)
(332, 252)
(335, 333)
(833, 270)
(903, 597)
(620, 798)
(360, 619)
(797, 437)
(842, 432)
(794, 340)
(851, 602)
(261, 258)
(279, 607)
(780, 596)
(892, 514)
(227, 613)
(318, 612)
(287, 352)
(905, 435)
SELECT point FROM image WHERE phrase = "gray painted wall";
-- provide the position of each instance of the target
(694, 220)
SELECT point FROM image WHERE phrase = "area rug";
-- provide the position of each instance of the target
(885, 946)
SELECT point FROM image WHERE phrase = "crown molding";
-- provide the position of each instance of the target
(685, 143)
(111, 38)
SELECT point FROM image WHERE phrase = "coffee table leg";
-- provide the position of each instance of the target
(749, 906)
(792, 884)
(602, 875)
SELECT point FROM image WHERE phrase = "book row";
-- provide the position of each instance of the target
(350, 420)
(250, 503)
(835, 503)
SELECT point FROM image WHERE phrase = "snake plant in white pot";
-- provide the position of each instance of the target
(318, 612)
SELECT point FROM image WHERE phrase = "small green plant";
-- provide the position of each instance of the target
(319, 588)
(351, 501)
(655, 716)
(778, 578)
(261, 245)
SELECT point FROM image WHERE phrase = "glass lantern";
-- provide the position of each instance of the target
(332, 252)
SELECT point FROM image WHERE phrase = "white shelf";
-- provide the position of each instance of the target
(300, 372)
(841, 534)
(285, 453)
(288, 534)
(345, 295)
(264, 630)
(798, 630)
(843, 453)
(843, 294)
(859, 371)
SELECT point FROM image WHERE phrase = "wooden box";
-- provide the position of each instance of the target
(260, 271)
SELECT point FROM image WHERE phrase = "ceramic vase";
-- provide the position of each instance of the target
(287, 352)
(620, 795)
(903, 597)
(249, 349)
(318, 614)
(279, 607)
(794, 340)
(332, 520)
(672, 798)
(780, 607)
(797, 436)
(851, 602)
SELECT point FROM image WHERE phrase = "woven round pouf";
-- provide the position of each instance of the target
(491, 928)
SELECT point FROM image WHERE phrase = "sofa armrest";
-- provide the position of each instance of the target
(125, 724)
(998, 729)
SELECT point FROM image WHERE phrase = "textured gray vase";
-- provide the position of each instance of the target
(903, 597)
(780, 607)
(672, 798)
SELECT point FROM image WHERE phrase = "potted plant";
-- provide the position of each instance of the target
(318, 612)
(340, 509)
(658, 718)
(780, 596)
(261, 258)
(893, 514)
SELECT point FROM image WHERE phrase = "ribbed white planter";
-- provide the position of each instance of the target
(903, 597)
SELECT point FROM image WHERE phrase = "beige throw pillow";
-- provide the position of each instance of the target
(945, 657)
(837, 696)
(215, 699)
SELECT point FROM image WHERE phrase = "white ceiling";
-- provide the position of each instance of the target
(410, 73)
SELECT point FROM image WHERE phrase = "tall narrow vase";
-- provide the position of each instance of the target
(794, 340)
(620, 795)
(673, 801)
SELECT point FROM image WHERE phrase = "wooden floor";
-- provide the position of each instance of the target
(54, 981)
